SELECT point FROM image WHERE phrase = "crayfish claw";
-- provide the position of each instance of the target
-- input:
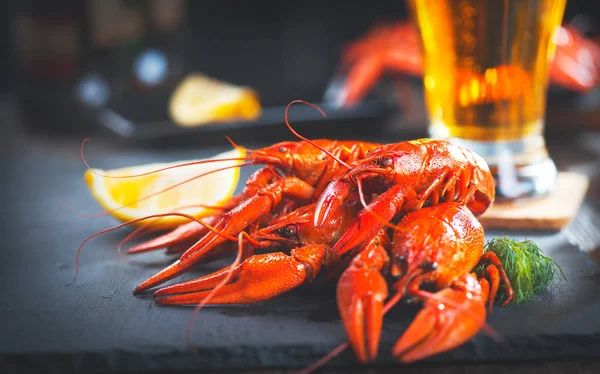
(363, 318)
(170, 272)
(258, 278)
(361, 293)
(448, 319)
(330, 201)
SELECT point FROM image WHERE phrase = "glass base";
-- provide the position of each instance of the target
(521, 168)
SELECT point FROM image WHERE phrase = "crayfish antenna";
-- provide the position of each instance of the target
(174, 214)
(213, 292)
(325, 359)
(138, 231)
(191, 163)
(152, 194)
(132, 235)
(187, 231)
(239, 147)
(287, 123)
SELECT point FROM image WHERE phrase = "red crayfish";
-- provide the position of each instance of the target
(396, 47)
(387, 220)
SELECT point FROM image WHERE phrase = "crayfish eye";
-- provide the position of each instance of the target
(399, 266)
(429, 266)
(283, 149)
(289, 231)
(385, 162)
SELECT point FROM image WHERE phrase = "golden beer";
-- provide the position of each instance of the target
(486, 66)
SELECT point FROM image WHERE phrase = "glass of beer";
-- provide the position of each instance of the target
(486, 65)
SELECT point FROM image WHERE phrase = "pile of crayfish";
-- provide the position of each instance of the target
(388, 220)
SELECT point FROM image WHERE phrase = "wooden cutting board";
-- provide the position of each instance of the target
(552, 212)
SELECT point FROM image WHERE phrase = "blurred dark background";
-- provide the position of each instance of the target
(285, 50)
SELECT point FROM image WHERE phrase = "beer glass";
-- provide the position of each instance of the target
(486, 66)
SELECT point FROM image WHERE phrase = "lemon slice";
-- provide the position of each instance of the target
(199, 100)
(212, 189)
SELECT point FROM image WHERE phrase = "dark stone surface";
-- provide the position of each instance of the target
(97, 324)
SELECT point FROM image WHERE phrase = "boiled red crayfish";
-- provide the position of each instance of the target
(295, 175)
(438, 245)
(402, 215)
(263, 201)
(411, 174)
(396, 47)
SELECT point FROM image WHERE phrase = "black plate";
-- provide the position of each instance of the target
(145, 118)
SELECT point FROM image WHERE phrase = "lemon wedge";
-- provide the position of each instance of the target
(199, 100)
(125, 193)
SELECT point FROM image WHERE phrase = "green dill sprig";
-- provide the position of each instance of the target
(528, 270)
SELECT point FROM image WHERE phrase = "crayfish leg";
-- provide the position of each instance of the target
(193, 230)
(366, 226)
(495, 272)
(182, 234)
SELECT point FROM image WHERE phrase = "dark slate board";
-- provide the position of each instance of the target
(98, 324)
